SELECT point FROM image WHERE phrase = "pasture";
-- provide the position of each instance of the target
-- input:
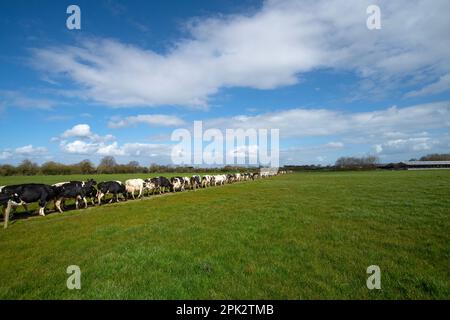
(295, 236)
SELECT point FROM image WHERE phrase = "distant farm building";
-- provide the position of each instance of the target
(416, 165)
(422, 165)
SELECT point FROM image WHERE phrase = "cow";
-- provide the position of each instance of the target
(220, 179)
(255, 176)
(151, 185)
(78, 190)
(164, 184)
(133, 185)
(177, 184)
(207, 181)
(113, 187)
(24, 194)
(187, 183)
(195, 182)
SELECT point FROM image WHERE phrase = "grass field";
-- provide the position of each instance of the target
(297, 236)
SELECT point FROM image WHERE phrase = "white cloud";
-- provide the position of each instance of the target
(321, 122)
(83, 131)
(265, 50)
(88, 143)
(157, 120)
(17, 99)
(442, 85)
(27, 151)
(79, 130)
(335, 145)
(417, 145)
(79, 147)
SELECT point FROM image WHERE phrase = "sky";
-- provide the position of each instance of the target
(138, 70)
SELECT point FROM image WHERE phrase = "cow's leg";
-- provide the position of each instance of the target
(77, 199)
(100, 196)
(58, 205)
(42, 204)
(112, 198)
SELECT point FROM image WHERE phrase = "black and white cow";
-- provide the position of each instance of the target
(195, 182)
(78, 190)
(24, 194)
(164, 184)
(151, 186)
(113, 187)
(177, 184)
(207, 181)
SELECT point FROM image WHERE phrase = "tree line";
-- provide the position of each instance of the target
(107, 165)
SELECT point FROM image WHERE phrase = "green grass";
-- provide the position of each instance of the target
(298, 236)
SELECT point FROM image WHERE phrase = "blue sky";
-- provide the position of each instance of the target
(137, 70)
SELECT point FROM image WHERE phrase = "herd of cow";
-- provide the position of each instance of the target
(81, 191)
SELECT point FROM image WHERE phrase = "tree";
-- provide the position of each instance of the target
(28, 168)
(86, 167)
(368, 162)
(436, 157)
(107, 165)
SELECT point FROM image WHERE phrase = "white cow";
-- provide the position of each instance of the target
(133, 185)
(220, 179)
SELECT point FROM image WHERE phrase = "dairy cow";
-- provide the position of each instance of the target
(195, 182)
(24, 194)
(133, 185)
(220, 179)
(115, 188)
(78, 190)
(177, 184)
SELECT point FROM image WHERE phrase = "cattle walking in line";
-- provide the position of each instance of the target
(115, 188)
(13, 196)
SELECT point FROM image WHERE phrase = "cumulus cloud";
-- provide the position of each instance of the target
(83, 131)
(301, 122)
(267, 49)
(405, 145)
(28, 151)
(86, 142)
(156, 120)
